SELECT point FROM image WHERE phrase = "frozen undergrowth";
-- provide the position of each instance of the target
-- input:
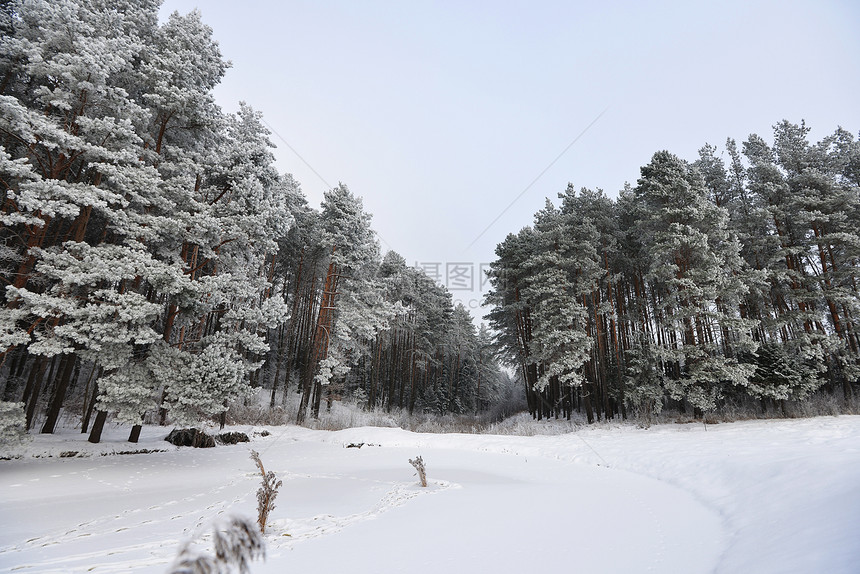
(347, 414)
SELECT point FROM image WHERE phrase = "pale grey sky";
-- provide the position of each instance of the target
(439, 114)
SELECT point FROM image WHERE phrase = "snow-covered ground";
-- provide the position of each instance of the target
(752, 497)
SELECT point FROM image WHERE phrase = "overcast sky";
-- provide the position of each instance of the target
(441, 114)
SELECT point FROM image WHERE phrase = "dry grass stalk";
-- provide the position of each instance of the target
(418, 463)
(267, 492)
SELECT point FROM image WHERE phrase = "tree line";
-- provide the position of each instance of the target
(156, 266)
(731, 279)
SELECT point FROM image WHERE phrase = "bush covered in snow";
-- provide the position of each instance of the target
(13, 424)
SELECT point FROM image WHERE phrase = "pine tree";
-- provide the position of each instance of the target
(692, 263)
(560, 272)
(511, 313)
(132, 209)
(593, 235)
(351, 245)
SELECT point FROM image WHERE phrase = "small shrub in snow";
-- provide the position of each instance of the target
(418, 463)
(13, 424)
(190, 437)
(235, 544)
(256, 413)
(232, 438)
(267, 492)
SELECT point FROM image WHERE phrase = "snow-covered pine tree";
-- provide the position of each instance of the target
(462, 343)
(351, 245)
(793, 322)
(249, 205)
(692, 264)
(560, 271)
(414, 351)
(643, 371)
(70, 118)
(132, 208)
(510, 316)
(810, 197)
(593, 232)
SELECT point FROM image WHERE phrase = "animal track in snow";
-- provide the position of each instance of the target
(286, 532)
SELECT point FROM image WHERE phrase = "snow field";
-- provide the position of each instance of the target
(758, 496)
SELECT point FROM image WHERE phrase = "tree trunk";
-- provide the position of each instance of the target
(478, 390)
(89, 399)
(16, 366)
(392, 370)
(278, 365)
(589, 411)
(35, 388)
(162, 410)
(98, 427)
(34, 240)
(312, 391)
(88, 411)
(59, 394)
(31, 376)
(374, 374)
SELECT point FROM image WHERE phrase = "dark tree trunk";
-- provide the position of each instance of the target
(312, 389)
(59, 394)
(162, 410)
(98, 427)
(374, 374)
(16, 367)
(35, 386)
(392, 370)
(51, 371)
(91, 403)
(589, 411)
(278, 363)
